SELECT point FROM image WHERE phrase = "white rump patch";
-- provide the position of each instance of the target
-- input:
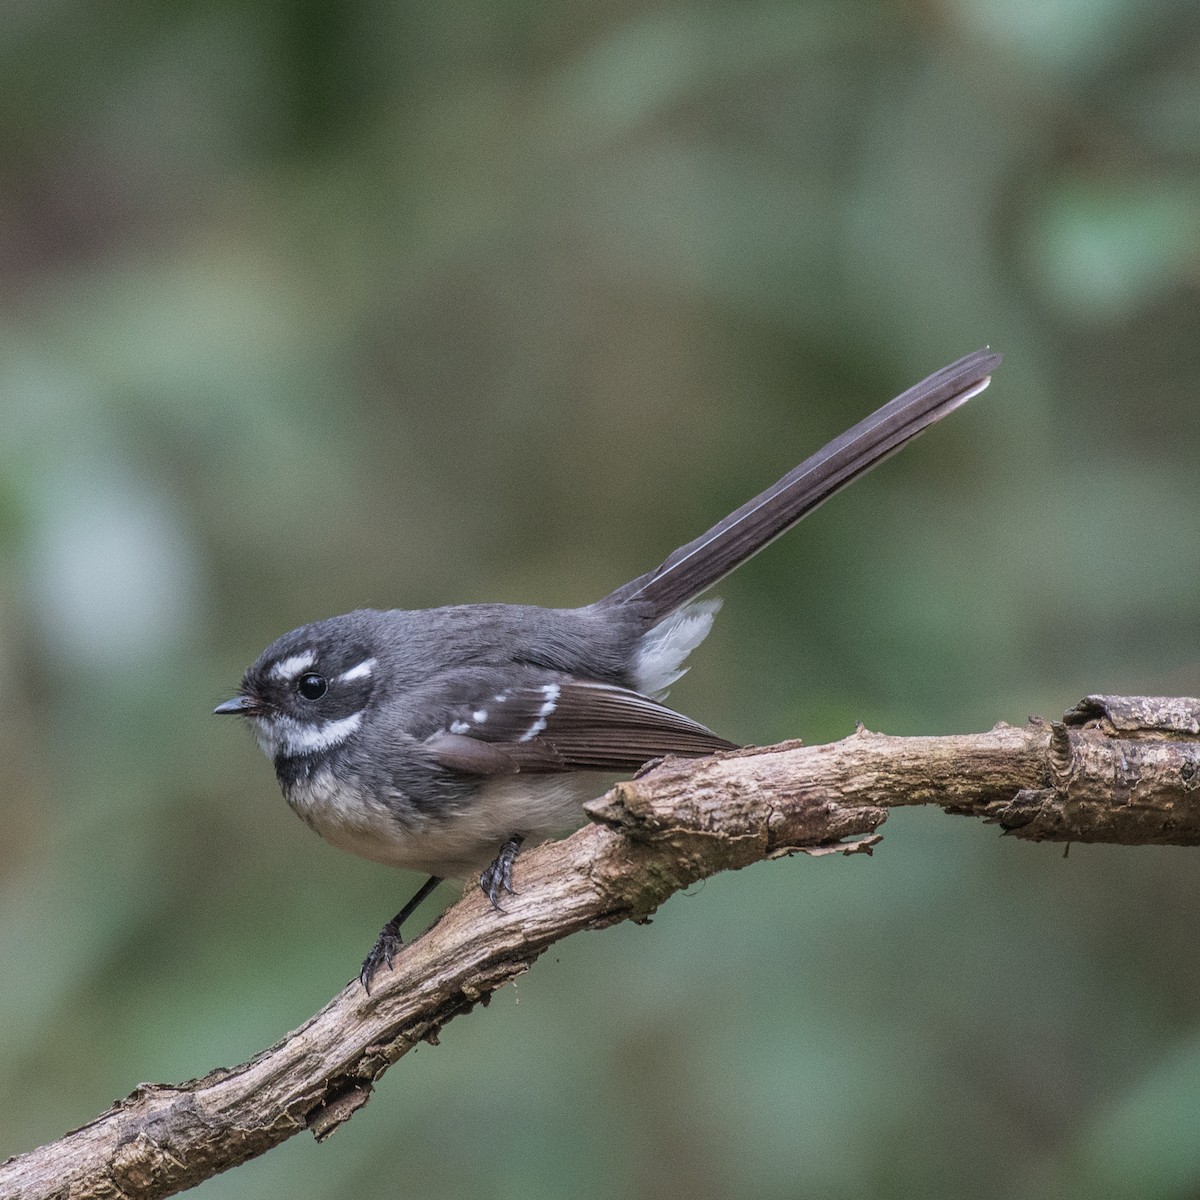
(362, 671)
(552, 692)
(287, 669)
(660, 657)
(281, 735)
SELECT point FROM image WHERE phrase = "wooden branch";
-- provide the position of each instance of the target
(1115, 769)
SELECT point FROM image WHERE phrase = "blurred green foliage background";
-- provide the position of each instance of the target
(308, 306)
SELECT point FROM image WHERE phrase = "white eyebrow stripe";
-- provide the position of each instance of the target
(362, 671)
(289, 668)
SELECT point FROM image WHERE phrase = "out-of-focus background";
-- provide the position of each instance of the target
(308, 306)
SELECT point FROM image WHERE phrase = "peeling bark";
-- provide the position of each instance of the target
(1115, 769)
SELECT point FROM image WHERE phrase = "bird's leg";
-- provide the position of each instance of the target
(497, 877)
(389, 940)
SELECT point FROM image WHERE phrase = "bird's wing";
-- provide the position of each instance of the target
(554, 722)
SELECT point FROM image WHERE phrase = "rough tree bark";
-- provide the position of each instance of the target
(1115, 769)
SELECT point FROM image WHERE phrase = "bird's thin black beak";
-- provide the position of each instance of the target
(237, 706)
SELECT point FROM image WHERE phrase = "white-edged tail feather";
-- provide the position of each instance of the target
(704, 561)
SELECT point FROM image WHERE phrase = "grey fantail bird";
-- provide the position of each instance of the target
(442, 739)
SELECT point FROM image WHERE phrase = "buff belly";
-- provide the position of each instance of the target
(454, 843)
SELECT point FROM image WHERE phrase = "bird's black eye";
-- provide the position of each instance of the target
(312, 687)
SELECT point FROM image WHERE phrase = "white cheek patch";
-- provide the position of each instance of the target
(290, 738)
(294, 665)
(552, 692)
(362, 671)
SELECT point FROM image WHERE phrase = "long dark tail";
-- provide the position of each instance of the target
(695, 567)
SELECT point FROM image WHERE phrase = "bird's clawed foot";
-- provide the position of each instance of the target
(386, 947)
(388, 943)
(497, 877)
